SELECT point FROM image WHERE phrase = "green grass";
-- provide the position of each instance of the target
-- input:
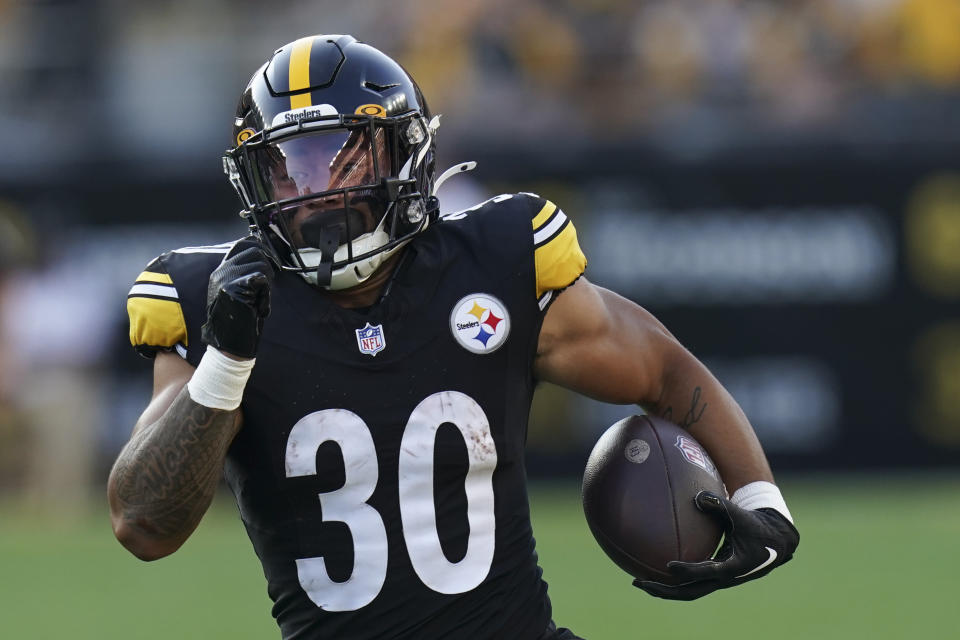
(876, 561)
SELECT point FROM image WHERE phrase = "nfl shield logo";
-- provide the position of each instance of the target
(370, 339)
(696, 455)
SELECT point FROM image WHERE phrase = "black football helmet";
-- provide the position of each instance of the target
(333, 158)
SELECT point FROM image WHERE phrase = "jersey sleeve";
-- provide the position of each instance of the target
(558, 259)
(157, 321)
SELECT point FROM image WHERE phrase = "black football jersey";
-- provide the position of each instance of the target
(380, 468)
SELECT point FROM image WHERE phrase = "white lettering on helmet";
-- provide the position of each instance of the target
(303, 113)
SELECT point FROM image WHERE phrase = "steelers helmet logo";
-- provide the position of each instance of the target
(480, 323)
(244, 135)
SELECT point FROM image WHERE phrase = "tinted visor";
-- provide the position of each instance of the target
(321, 162)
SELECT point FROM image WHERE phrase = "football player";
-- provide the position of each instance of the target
(361, 370)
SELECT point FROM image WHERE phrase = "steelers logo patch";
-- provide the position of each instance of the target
(480, 323)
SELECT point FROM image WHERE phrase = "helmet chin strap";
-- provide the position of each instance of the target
(327, 241)
(326, 238)
(326, 249)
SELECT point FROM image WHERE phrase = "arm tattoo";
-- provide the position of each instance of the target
(167, 474)
(693, 414)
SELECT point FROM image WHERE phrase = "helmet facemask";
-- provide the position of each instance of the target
(334, 196)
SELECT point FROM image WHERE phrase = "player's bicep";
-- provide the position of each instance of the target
(602, 345)
(170, 374)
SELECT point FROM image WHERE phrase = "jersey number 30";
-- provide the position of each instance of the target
(348, 504)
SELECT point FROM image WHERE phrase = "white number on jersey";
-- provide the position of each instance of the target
(348, 504)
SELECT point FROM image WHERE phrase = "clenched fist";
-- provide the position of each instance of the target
(238, 300)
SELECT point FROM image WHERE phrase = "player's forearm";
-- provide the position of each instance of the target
(691, 397)
(165, 478)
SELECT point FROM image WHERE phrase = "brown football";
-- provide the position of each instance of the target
(638, 496)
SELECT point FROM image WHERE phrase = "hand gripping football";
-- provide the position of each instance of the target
(638, 496)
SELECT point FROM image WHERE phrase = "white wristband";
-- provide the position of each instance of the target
(760, 495)
(219, 380)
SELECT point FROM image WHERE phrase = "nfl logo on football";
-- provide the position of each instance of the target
(370, 339)
(696, 455)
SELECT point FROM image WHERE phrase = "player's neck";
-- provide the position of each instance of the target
(367, 293)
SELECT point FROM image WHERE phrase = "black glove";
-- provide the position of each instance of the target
(238, 299)
(755, 542)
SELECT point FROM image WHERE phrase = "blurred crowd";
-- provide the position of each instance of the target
(591, 64)
(589, 69)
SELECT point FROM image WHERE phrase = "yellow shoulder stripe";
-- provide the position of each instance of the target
(156, 322)
(544, 215)
(152, 276)
(559, 261)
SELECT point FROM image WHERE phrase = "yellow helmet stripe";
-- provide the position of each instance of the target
(300, 72)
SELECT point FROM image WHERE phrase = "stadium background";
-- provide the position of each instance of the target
(779, 182)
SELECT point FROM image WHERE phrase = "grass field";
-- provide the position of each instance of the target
(876, 561)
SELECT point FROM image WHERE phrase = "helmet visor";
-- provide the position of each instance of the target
(321, 162)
